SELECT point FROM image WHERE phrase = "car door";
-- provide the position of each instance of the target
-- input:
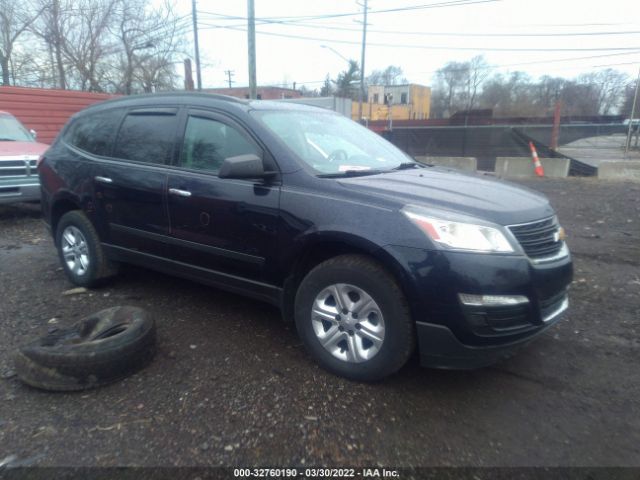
(130, 187)
(226, 227)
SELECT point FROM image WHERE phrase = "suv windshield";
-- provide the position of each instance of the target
(11, 130)
(332, 144)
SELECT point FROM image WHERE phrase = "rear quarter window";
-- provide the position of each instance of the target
(96, 132)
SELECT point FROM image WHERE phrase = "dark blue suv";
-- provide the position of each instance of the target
(370, 253)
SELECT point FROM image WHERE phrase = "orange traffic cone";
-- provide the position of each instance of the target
(536, 161)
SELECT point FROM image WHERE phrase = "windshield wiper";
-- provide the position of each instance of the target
(350, 173)
(2, 139)
(407, 166)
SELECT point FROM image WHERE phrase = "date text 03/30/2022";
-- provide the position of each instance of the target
(315, 473)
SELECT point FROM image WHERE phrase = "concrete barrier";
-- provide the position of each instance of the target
(523, 167)
(461, 163)
(620, 170)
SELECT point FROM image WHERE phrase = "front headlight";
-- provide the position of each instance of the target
(459, 235)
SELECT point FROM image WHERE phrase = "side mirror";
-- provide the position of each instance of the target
(242, 166)
(33, 133)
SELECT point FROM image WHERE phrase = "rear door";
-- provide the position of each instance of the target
(131, 185)
(226, 226)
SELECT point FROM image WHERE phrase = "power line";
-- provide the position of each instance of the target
(441, 34)
(288, 19)
(430, 47)
(321, 18)
(614, 64)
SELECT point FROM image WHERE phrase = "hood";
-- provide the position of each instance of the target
(444, 189)
(17, 149)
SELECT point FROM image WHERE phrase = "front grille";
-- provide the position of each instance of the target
(18, 168)
(538, 239)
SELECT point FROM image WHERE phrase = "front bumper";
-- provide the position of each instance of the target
(454, 335)
(439, 347)
(20, 190)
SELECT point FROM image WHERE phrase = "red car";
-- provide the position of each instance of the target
(19, 154)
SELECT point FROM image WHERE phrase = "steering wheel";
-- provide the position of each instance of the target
(337, 155)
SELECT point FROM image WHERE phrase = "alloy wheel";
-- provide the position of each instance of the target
(348, 323)
(75, 250)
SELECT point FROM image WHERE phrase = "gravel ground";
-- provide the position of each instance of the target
(232, 385)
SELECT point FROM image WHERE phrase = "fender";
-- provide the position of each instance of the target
(339, 239)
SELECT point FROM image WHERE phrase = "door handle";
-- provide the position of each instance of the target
(180, 193)
(103, 179)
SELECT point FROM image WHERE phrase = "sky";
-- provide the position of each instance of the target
(540, 37)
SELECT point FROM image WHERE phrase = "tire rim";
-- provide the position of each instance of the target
(348, 323)
(75, 250)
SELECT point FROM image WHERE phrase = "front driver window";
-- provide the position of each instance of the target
(208, 142)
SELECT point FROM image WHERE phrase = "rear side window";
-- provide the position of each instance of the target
(146, 137)
(208, 142)
(95, 133)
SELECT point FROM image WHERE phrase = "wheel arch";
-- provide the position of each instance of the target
(59, 206)
(322, 246)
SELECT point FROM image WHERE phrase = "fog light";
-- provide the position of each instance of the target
(492, 300)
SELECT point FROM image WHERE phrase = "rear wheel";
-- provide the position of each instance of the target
(353, 318)
(80, 251)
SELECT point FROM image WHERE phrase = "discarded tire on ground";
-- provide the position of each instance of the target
(101, 348)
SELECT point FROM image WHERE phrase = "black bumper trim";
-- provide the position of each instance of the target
(439, 348)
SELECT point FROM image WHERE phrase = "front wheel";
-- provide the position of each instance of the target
(353, 318)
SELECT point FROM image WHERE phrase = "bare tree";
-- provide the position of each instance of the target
(496, 94)
(76, 35)
(15, 18)
(150, 39)
(327, 89)
(627, 104)
(548, 92)
(391, 75)
(29, 69)
(476, 72)
(606, 89)
(449, 89)
(308, 92)
(110, 45)
(155, 73)
(86, 45)
(50, 28)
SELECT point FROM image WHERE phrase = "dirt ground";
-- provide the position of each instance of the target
(232, 385)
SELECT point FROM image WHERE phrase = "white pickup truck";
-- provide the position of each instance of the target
(19, 154)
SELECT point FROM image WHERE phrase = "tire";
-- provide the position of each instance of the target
(86, 264)
(374, 343)
(99, 349)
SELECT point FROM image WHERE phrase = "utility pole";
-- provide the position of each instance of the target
(230, 74)
(555, 131)
(633, 113)
(188, 75)
(194, 16)
(251, 30)
(364, 44)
